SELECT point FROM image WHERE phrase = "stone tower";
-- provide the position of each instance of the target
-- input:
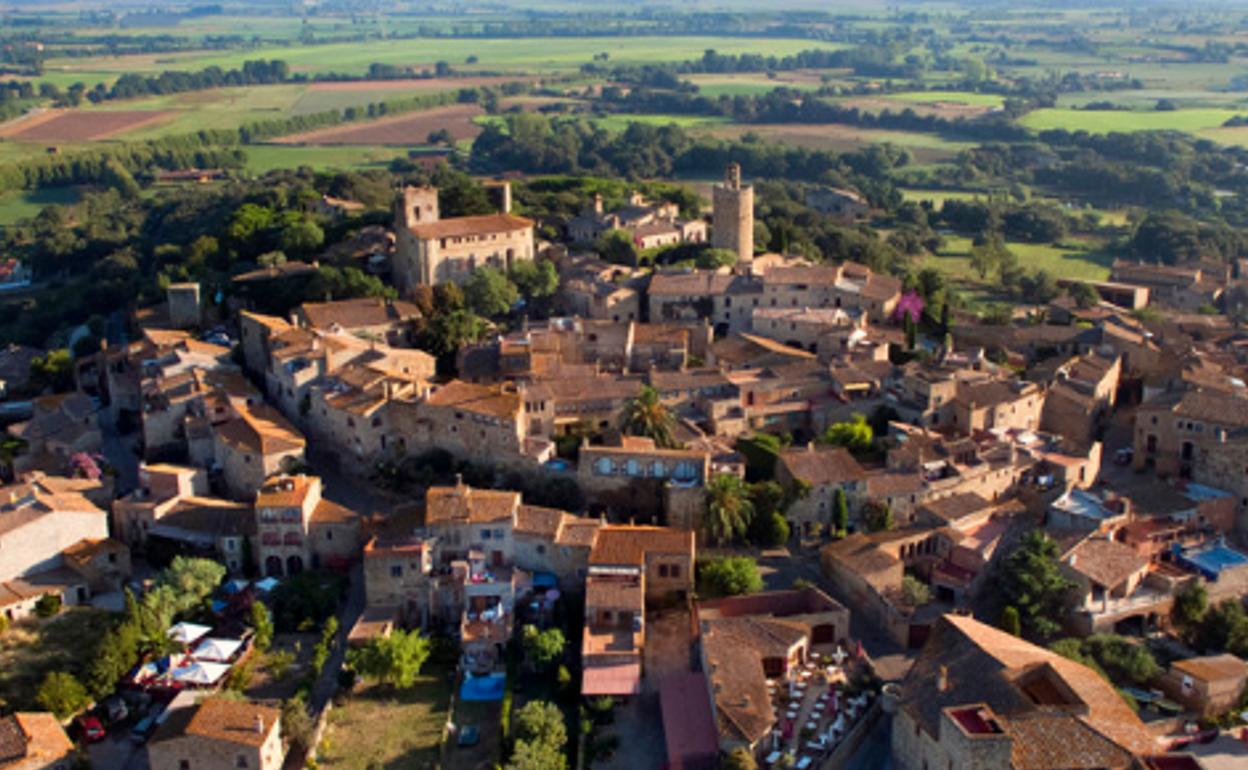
(732, 223)
(184, 305)
(415, 206)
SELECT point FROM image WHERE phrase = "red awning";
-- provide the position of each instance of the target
(611, 679)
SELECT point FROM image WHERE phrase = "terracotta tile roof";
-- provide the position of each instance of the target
(458, 227)
(489, 400)
(356, 313)
(614, 593)
(43, 740)
(23, 503)
(698, 283)
(209, 516)
(1018, 681)
(284, 270)
(1213, 668)
(861, 555)
(956, 506)
(329, 512)
(1049, 741)
(814, 275)
(88, 548)
(820, 466)
(579, 533)
(229, 721)
(1105, 562)
(448, 505)
(992, 393)
(261, 429)
(284, 491)
(629, 545)
(891, 484)
(735, 668)
(535, 520)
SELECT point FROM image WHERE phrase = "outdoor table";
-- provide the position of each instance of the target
(791, 715)
(803, 763)
(773, 757)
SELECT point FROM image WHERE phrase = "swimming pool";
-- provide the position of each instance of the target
(482, 688)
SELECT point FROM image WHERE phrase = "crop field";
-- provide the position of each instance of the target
(925, 148)
(753, 84)
(262, 158)
(1101, 122)
(17, 205)
(560, 54)
(410, 129)
(321, 97)
(968, 98)
(1083, 263)
(54, 126)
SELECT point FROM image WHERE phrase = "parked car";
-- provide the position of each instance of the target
(90, 729)
(1124, 456)
(143, 730)
(114, 709)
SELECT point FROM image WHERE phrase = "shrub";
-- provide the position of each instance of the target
(730, 576)
(62, 694)
(48, 605)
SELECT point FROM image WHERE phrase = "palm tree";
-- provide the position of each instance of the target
(646, 415)
(728, 508)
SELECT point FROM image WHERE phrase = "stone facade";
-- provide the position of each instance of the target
(297, 529)
(732, 224)
(219, 735)
(184, 305)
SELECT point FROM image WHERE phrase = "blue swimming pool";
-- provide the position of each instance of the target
(483, 688)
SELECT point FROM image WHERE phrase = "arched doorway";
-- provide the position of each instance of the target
(273, 566)
(294, 565)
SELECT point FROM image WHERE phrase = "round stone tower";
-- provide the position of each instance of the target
(732, 223)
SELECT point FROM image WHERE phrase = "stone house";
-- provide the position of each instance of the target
(391, 322)
(430, 250)
(256, 444)
(296, 528)
(1170, 428)
(823, 470)
(1209, 685)
(629, 567)
(844, 204)
(53, 540)
(60, 426)
(648, 224)
(619, 476)
(34, 740)
(746, 641)
(1106, 574)
(219, 734)
(994, 405)
(1224, 462)
(600, 299)
(980, 699)
(1081, 397)
(820, 330)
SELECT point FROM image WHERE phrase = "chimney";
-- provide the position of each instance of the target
(459, 483)
(597, 203)
(942, 679)
(259, 725)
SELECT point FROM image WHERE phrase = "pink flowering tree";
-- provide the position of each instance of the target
(910, 304)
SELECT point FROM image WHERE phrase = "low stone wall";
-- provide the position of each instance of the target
(846, 749)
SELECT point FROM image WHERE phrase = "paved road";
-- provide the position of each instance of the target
(117, 753)
(120, 452)
(327, 683)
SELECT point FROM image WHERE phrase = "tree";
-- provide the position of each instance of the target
(1190, 605)
(52, 371)
(729, 576)
(1122, 659)
(1225, 627)
(1083, 295)
(1010, 622)
(541, 736)
(446, 333)
(262, 623)
(916, 593)
(729, 509)
(297, 726)
(535, 279)
(646, 415)
(1033, 583)
(490, 293)
(542, 648)
(712, 259)
(48, 605)
(62, 694)
(395, 660)
(854, 434)
(840, 512)
(193, 579)
(768, 528)
(739, 758)
(617, 246)
(877, 515)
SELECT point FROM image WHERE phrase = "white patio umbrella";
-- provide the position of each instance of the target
(188, 633)
(220, 650)
(201, 672)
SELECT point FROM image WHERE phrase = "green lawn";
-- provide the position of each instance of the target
(17, 205)
(620, 122)
(1192, 120)
(1086, 263)
(715, 86)
(938, 197)
(379, 727)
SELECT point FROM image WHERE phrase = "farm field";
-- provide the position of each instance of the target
(560, 54)
(262, 158)
(55, 126)
(969, 98)
(926, 148)
(1101, 122)
(408, 129)
(752, 84)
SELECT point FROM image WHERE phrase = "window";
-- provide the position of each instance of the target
(485, 534)
(396, 571)
(662, 570)
(241, 761)
(541, 549)
(498, 534)
(329, 534)
(184, 764)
